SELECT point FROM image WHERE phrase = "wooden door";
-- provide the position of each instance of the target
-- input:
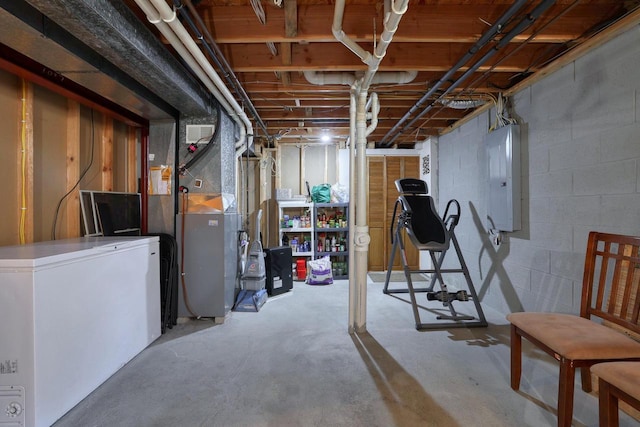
(410, 169)
(376, 212)
(382, 196)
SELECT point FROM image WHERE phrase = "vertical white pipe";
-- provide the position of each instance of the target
(362, 237)
(353, 297)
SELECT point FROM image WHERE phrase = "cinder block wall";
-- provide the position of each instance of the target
(580, 154)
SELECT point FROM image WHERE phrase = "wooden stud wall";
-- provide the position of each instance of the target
(57, 138)
(132, 160)
(25, 152)
(72, 219)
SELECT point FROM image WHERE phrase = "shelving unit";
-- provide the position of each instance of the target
(331, 232)
(333, 228)
(296, 225)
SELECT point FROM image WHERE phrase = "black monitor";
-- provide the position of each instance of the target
(110, 213)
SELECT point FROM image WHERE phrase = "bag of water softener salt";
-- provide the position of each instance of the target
(320, 272)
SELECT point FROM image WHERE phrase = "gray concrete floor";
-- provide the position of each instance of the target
(294, 364)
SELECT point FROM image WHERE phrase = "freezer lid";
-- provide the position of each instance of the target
(44, 253)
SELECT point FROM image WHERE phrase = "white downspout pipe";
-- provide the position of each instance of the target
(164, 18)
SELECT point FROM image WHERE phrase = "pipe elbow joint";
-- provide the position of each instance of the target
(399, 11)
(338, 33)
(361, 239)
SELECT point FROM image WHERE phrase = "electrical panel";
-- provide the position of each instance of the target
(504, 193)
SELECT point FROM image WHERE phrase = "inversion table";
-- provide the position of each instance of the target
(428, 231)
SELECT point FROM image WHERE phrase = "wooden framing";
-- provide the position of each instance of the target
(107, 153)
(25, 164)
(132, 161)
(71, 226)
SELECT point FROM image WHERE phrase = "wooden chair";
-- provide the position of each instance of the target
(617, 381)
(603, 331)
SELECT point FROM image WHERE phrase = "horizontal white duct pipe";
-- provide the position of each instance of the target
(343, 78)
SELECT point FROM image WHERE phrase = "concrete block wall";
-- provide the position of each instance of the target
(580, 155)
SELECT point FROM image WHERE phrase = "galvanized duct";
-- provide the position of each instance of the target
(164, 18)
(115, 33)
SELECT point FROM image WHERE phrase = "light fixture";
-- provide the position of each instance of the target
(325, 136)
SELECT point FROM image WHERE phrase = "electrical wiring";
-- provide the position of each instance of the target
(55, 217)
(185, 294)
(23, 167)
(202, 151)
(502, 118)
(259, 11)
(270, 163)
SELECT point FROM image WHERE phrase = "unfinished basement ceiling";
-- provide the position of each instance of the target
(271, 58)
(431, 38)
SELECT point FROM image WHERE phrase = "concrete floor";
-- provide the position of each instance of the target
(294, 364)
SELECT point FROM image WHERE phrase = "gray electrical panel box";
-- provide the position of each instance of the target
(504, 201)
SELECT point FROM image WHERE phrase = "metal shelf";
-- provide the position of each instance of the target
(296, 230)
(339, 253)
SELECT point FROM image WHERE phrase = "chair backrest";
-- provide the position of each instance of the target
(611, 285)
(426, 229)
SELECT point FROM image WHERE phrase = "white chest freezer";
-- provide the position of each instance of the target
(72, 312)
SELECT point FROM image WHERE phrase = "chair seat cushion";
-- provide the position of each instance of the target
(623, 375)
(575, 337)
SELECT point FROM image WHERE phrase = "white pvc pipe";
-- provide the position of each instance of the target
(361, 238)
(353, 296)
(160, 14)
(375, 109)
(398, 9)
(339, 78)
(341, 36)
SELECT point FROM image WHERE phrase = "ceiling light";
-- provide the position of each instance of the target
(325, 137)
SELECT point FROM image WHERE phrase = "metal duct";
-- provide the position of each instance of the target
(111, 30)
(221, 62)
(161, 15)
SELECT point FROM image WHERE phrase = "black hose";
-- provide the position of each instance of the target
(201, 152)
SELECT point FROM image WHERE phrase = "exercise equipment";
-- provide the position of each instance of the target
(428, 231)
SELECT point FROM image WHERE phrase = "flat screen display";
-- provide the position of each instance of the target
(110, 213)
